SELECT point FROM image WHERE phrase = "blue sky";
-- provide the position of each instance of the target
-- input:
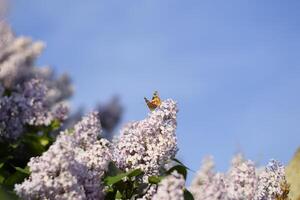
(233, 66)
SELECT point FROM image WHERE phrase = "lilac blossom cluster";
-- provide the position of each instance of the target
(148, 144)
(17, 65)
(171, 188)
(26, 105)
(208, 184)
(272, 183)
(29, 95)
(243, 181)
(73, 166)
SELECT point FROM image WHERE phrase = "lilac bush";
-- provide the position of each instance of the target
(79, 158)
(30, 95)
(78, 163)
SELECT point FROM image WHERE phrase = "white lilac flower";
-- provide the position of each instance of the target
(205, 174)
(32, 100)
(217, 190)
(17, 59)
(171, 188)
(54, 174)
(30, 95)
(242, 181)
(237, 159)
(27, 105)
(73, 166)
(272, 182)
(151, 191)
(11, 124)
(148, 144)
(208, 185)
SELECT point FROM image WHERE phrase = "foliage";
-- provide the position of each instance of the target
(15, 155)
(129, 185)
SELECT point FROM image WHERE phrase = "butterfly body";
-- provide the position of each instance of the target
(155, 101)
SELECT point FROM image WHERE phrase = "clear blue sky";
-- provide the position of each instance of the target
(233, 66)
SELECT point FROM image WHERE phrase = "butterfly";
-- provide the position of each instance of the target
(155, 101)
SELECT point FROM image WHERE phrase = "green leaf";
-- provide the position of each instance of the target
(154, 179)
(110, 180)
(4, 159)
(44, 141)
(16, 177)
(24, 171)
(113, 170)
(70, 131)
(118, 195)
(1, 165)
(180, 169)
(133, 173)
(187, 195)
(55, 124)
(7, 92)
(140, 188)
(110, 194)
(14, 145)
(7, 195)
(33, 145)
(1, 179)
(179, 162)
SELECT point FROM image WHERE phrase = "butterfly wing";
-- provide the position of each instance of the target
(154, 103)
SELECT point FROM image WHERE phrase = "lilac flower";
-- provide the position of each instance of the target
(208, 185)
(241, 182)
(148, 144)
(171, 188)
(272, 182)
(17, 59)
(27, 105)
(29, 95)
(11, 124)
(54, 174)
(72, 167)
(151, 191)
